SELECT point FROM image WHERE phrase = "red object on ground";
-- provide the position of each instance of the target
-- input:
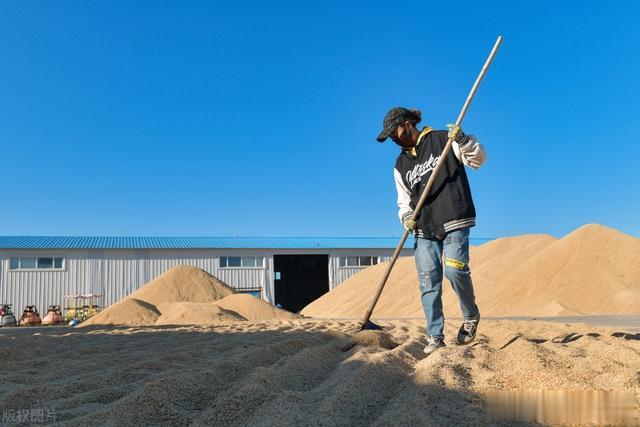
(30, 316)
(53, 317)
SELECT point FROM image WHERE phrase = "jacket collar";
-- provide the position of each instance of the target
(412, 151)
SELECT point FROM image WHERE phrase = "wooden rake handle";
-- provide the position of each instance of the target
(427, 189)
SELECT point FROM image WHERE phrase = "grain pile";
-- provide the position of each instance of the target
(252, 308)
(130, 311)
(369, 338)
(593, 270)
(194, 313)
(181, 284)
(186, 296)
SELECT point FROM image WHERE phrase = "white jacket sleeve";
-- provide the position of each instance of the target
(471, 154)
(404, 197)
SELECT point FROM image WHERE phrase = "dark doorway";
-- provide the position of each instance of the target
(300, 279)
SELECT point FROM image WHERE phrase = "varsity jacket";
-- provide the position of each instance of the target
(449, 205)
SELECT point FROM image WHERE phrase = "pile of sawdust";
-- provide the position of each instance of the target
(186, 296)
(593, 270)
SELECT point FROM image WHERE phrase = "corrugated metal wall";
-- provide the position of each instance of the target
(117, 273)
(339, 274)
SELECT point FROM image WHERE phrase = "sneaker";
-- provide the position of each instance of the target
(433, 343)
(468, 330)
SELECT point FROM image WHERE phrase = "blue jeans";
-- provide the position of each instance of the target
(428, 255)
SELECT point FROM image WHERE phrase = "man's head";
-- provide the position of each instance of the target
(399, 125)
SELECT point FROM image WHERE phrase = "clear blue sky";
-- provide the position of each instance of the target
(259, 118)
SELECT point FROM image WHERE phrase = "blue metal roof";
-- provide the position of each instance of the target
(104, 242)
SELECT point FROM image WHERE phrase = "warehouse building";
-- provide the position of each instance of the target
(290, 272)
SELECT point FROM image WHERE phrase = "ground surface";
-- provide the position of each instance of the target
(294, 372)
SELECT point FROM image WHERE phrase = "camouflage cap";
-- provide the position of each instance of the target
(395, 117)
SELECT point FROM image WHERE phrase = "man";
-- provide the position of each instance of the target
(446, 217)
